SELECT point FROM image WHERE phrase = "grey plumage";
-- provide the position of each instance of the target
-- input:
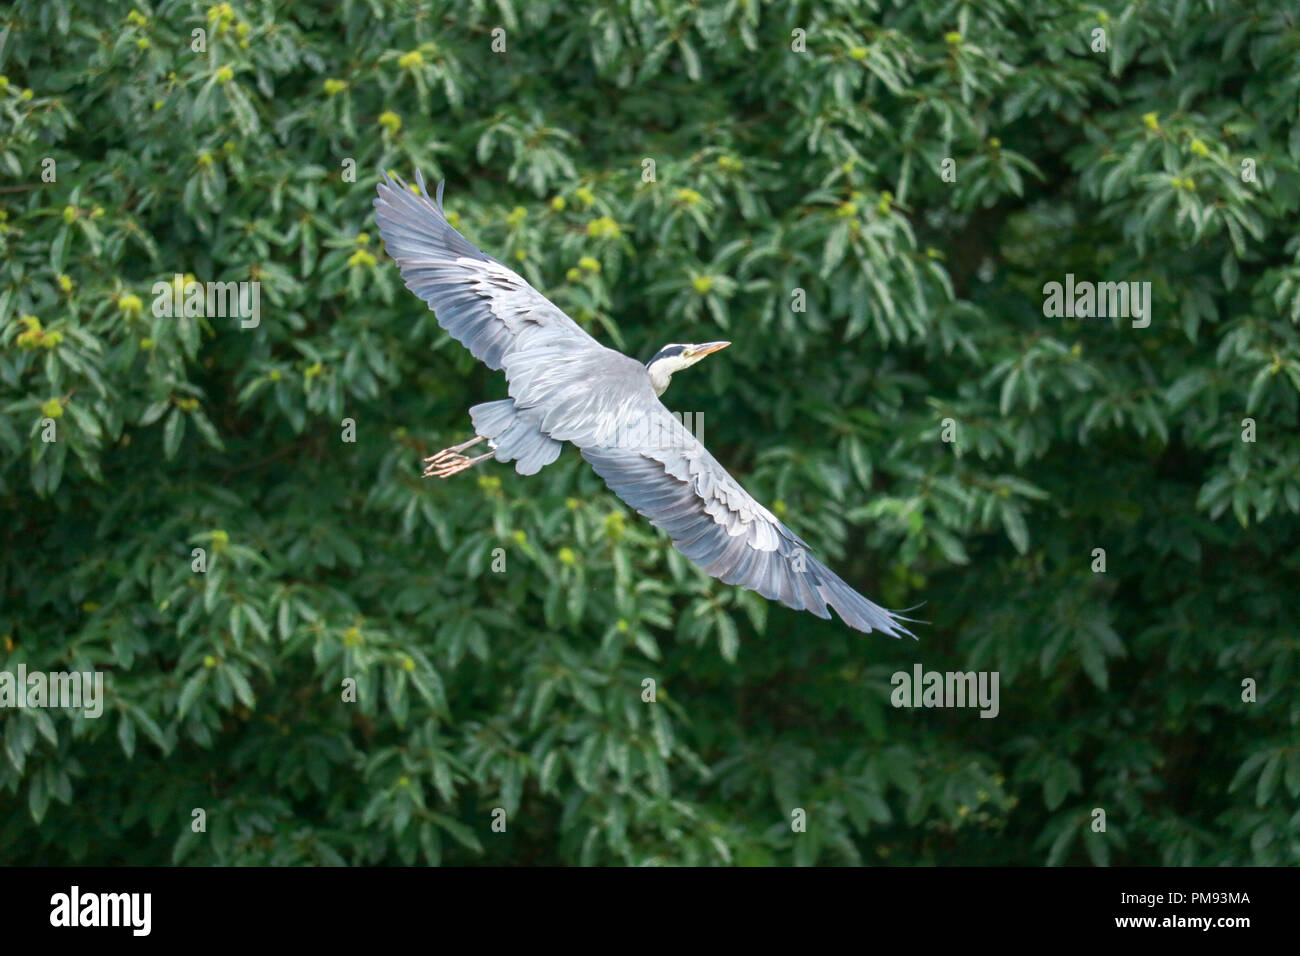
(565, 386)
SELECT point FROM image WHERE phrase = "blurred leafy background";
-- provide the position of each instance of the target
(781, 176)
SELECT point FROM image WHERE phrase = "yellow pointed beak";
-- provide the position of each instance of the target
(708, 348)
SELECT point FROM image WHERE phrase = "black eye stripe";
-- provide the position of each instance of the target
(668, 352)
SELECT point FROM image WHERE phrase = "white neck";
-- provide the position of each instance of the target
(661, 371)
(660, 377)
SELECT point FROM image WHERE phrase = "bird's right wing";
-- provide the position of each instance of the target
(667, 475)
(486, 306)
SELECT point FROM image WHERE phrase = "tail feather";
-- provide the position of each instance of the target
(513, 437)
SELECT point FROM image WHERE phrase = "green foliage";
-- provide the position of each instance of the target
(781, 178)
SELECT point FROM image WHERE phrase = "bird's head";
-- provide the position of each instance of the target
(674, 358)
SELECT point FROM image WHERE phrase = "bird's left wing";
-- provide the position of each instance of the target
(666, 474)
(486, 306)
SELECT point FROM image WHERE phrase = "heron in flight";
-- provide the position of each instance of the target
(565, 386)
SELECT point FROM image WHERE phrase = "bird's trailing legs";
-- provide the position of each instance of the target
(449, 461)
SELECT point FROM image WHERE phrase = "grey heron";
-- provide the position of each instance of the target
(564, 386)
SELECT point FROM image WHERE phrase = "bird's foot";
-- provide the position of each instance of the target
(451, 465)
(449, 461)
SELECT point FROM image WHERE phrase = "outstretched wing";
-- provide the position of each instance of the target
(485, 306)
(667, 475)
